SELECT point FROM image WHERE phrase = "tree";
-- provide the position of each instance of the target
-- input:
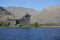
(36, 24)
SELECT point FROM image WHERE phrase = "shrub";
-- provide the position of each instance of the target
(36, 24)
(6, 24)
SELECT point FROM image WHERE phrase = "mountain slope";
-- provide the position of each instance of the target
(19, 12)
(49, 15)
(4, 12)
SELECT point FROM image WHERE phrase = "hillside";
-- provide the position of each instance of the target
(6, 13)
(19, 12)
(49, 15)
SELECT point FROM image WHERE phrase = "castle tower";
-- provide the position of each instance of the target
(27, 18)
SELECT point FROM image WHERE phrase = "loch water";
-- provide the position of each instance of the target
(29, 33)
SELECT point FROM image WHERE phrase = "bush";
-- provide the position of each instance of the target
(6, 24)
(36, 24)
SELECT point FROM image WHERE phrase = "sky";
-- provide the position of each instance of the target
(34, 4)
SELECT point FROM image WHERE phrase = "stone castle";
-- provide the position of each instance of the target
(24, 20)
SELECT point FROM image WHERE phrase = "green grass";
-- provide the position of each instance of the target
(36, 25)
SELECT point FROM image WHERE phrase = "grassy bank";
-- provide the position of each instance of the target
(35, 25)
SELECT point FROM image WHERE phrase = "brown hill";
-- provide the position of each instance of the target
(49, 15)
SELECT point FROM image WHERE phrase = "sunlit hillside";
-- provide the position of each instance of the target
(49, 15)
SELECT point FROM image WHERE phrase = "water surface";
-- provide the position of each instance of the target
(29, 33)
